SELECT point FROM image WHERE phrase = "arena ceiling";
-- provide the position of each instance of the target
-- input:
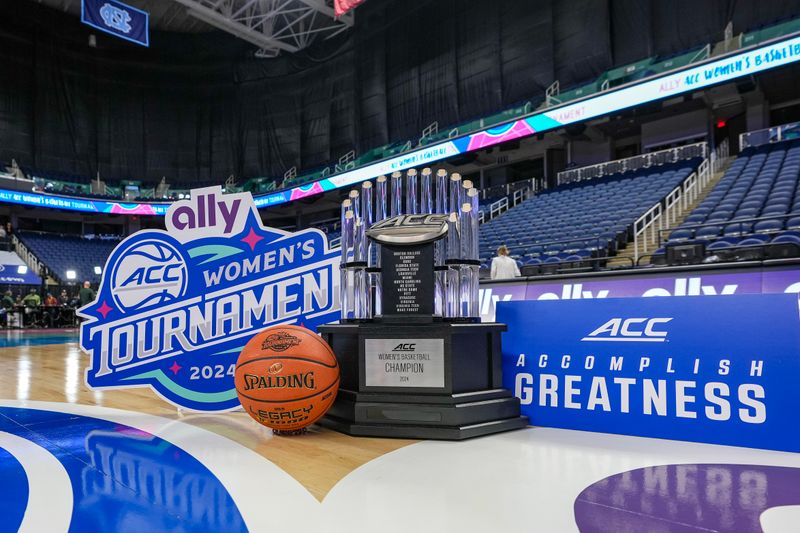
(272, 26)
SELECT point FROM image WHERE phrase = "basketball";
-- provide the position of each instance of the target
(287, 377)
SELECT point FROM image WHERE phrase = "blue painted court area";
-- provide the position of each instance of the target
(33, 337)
(115, 478)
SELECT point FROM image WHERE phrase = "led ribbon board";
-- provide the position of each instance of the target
(175, 307)
(692, 79)
(707, 74)
(80, 204)
(118, 19)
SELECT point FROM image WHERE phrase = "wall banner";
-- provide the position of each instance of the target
(175, 307)
(702, 369)
(118, 19)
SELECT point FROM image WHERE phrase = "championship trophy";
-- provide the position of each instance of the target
(416, 361)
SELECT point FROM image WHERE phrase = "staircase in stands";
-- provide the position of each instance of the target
(648, 245)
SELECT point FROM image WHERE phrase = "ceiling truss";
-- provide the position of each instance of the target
(271, 25)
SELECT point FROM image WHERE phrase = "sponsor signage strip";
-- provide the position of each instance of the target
(691, 79)
(721, 370)
(707, 283)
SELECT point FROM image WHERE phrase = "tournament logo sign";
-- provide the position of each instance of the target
(176, 307)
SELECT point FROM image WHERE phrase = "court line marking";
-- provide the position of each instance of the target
(449, 486)
(224, 458)
(780, 519)
(49, 488)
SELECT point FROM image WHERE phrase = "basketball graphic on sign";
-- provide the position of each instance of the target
(287, 377)
(151, 272)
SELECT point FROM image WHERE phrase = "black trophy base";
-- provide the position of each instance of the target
(424, 432)
(467, 402)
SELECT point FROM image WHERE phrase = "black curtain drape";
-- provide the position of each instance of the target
(197, 108)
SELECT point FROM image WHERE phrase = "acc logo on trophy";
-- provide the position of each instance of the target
(409, 229)
(175, 308)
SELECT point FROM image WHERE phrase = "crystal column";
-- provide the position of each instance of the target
(396, 200)
(412, 204)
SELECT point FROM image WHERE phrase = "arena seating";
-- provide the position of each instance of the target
(67, 252)
(580, 221)
(755, 203)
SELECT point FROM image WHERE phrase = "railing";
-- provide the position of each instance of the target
(720, 155)
(577, 244)
(520, 195)
(649, 226)
(499, 207)
(670, 155)
(585, 264)
(518, 191)
(752, 252)
(36, 266)
(769, 135)
(509, 188)
(701, 54)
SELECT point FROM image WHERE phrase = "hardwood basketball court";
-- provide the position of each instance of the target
(134, 439)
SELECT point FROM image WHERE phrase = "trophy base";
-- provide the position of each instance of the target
(422, 381)
(424, 432)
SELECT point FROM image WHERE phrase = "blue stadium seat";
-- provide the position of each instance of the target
(761, 182)
(754, 240)
(681, 235)
(768, 226)
(61, 253)
(708, 232)
(718, 245)
(783, 239)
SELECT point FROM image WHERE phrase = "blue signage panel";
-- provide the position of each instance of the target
(703, 369)
(13, 275)
(118, 19)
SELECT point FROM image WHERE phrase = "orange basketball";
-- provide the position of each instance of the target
(287, 377)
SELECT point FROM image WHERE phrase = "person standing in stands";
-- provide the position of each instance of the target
(32, 301)
(86, 294)
(7, 306)
(504, 267)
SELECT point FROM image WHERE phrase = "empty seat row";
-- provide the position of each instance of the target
(584, 218)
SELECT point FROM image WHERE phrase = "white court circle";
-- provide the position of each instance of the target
(49, 489)
(516, 481)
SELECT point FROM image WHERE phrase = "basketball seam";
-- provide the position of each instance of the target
(292, 400)
(308, 333)
(287, 357)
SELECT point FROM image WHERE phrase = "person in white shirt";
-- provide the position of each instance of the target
(503, 267)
